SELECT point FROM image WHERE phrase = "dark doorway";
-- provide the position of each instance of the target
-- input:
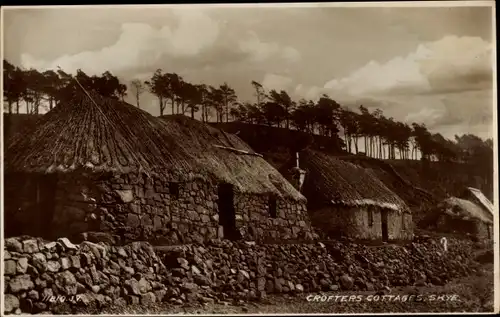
(385, 233)
(45, 202)
(227, 217)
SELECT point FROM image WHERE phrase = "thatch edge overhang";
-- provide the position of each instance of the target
(373, 203)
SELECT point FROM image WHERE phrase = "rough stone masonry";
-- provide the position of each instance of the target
(135, 207)
(38, 274)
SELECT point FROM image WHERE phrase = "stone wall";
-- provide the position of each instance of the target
(135, 207)
(484, 231)
(60, 277)
(473, 228)
(93, 276)
(254, 219)
(355, 223)
(400, 225)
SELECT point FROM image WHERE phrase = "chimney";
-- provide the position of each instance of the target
(298, 174)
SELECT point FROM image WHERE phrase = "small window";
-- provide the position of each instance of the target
(403, 223)
(272, 206)
(370, 217)
(173, 189)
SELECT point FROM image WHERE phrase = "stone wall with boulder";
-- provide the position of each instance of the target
(92, 276)
(60, 276)
(132, 207)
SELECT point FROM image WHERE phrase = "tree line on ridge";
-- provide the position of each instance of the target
(381, 136)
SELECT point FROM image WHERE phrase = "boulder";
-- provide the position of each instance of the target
(22, 265)
(30, 246)
(21, 283)
(346, 281)
(10, 267)
(66, 283)
(148, 299)
(12, 244)
(11, 303)
(39, 261)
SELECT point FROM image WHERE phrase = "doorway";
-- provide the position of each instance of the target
(227, 217)
(46, 187)
(385, 233)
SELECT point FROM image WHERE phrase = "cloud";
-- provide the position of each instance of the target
(469, 111)
(450, 64)
(261, 51)
(141, 46)
(276, 82)
(309, 92)
(468, 108)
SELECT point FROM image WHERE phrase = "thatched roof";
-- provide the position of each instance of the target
(99, 134)
(93, 133)
(223, 156)
(464, 209)
(339, 182)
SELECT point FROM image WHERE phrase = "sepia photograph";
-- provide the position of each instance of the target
(223, 159)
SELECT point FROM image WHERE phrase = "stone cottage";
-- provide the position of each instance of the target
(456, 215)
(100, 165)
(346, 200)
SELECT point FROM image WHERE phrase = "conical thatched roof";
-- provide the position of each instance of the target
(336, 181)
(100, 134)
(90, 132)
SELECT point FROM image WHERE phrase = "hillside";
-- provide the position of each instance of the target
(264, 138)
(420, 184)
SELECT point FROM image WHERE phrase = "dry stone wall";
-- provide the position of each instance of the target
(131, 207)
(92, 276)
(60, 276)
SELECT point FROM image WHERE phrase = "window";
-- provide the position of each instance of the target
(403, 223)
(370, 217)
(173, 189)
(272, 206)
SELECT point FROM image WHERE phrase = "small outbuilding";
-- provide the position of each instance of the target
(456, 215)
(347, 200)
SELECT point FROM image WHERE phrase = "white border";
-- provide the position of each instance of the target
(401, 4)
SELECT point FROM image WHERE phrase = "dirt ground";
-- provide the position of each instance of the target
(471, 294)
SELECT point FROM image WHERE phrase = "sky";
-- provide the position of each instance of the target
(431, 65)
